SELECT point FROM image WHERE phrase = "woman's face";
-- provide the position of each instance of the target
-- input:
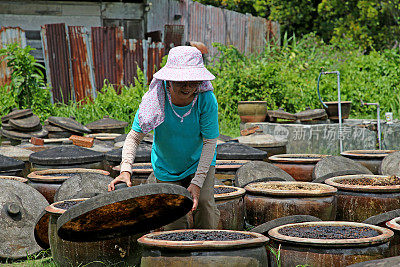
(184, 90)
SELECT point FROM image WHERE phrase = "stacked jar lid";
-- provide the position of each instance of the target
(61, 127)
(22, 125)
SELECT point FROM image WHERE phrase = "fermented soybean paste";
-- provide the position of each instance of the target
(202, 236)
(65, 205)
(223, 190)
(328, 232)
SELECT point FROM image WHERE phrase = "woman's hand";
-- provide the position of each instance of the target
(124, 177)
(195, 192)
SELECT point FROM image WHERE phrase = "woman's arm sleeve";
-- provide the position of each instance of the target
(207, 155)
(131, 144)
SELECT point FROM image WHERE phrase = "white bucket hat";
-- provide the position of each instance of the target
(184, 63)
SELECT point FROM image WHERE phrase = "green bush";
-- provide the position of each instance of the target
(286, 77)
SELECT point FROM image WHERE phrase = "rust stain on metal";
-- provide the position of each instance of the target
(133, 58)
(173, 35)
(57, 58)
(107, 43)
(9, 35)
(155, 53)
(80, 63)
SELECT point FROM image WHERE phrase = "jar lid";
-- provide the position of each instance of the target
(16, 113)
(106, 123)
(311, 114)
(83, 185)
(233, 150)
(30, 123)
(21, 204)
(7, 163)
(143, 154)
(68, 124)
(124, 212)
(65, 155)
(12, 134)
(281, 114)
(331, 164)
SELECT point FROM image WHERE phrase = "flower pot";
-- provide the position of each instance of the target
(252, 111)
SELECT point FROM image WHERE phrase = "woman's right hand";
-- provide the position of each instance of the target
(124, 177)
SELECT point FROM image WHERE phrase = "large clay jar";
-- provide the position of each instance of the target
(252, 111)
(336, 244)
(230, 203)
(394, 225)
(48, 181)
(266, 201)
(362, 196)
(372, 159)
(299, 166)
(116, 252)
(199, 248)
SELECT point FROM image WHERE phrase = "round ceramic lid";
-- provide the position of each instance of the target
(332, 164)
(24, 135)
(68, 124)
(106, 123)
(378, 154)
(16, 152)
(261, 140)
(21, 205)
(53, 128)
(143, 154)
(311, 114)
(232, 150)
(120, 138)
(6, 126)
(297, 158)
(281, 114)
(16, 113)
(124, 212)
(83, 185)
(7, 163)
(391, 164)
(29, 123)
(65, 155)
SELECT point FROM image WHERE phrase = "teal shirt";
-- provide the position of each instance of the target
(177, 145)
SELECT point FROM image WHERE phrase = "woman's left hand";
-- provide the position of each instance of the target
(195, 192)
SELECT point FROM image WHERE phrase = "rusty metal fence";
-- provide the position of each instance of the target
(9, 35)
(78, 61)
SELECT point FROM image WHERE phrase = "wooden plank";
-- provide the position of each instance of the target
(30, 8)
(122, 10)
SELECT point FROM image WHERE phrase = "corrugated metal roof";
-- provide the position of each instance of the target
(9, 35)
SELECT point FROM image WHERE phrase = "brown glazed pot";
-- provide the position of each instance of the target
(333, 108)
(372, 159)
(329, 252)
(140, 172)
(299, 166)
(263, 205)
(15, 178)
(225, 170)
(231, 208)
(394, 225)
(48, 181)
(252, 111)
(116, 252)
(356, 203)
(244, 252)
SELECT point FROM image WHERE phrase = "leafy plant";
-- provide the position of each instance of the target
(276, 254)
(26, 73)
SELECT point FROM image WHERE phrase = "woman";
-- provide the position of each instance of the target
(183, 112)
